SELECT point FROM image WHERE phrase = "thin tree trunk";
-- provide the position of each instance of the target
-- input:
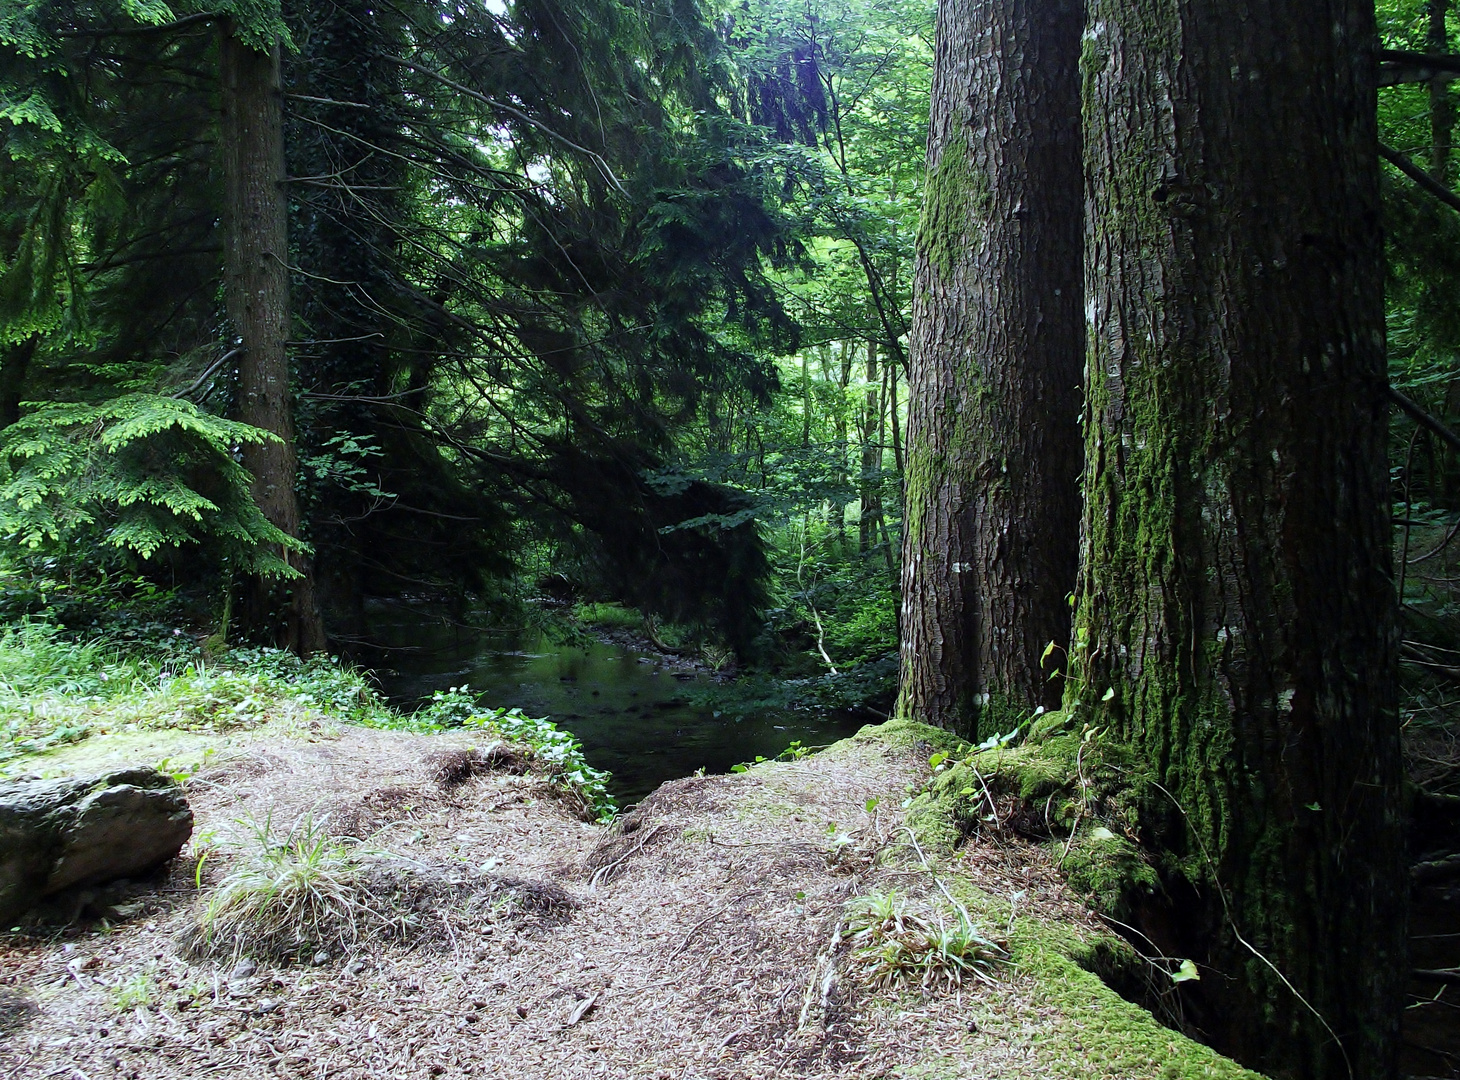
(257, 297)
(14, 368)
(1442, 104)
(993, 442)
(838, 510)
(869, 493)
(1236, 622)
(895, 420)
(805, 401)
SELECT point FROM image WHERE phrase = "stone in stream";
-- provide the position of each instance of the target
(87, 830)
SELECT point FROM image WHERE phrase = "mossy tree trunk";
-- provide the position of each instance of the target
(993, 441)
(1236, 617)
(256, 290)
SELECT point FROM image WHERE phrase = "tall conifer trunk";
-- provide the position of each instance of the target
(1236, 620)
(256, 288)
(993, 441)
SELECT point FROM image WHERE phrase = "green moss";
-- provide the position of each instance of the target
(1072, 1021)
(905, 734)
(1107, 869)
(998, 715)
(1098, 1034)
(955, 196)
(1059, 781)
(176, 751)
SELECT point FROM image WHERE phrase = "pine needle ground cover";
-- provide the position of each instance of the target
(723, 928)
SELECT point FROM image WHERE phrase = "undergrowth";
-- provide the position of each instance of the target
(56, 690)
(895, 945)
(553, 751)
(290, 895)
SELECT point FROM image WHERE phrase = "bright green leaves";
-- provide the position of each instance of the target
(34, 109)
(145, 472)
(257, 23)
(1185, 973)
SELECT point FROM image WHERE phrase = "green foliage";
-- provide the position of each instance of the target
(896, 944)
(556, 752)
(56, 690)
(288, 895)
(793, 752)
(142, 472)
(608, 615)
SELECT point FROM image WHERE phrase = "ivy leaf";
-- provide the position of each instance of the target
(1186, 973)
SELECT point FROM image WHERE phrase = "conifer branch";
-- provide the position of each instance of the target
(1419, 176)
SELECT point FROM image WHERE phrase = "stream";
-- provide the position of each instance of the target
(631, 710)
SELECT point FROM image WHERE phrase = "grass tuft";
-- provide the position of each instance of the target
(894, 946)
(291, 895)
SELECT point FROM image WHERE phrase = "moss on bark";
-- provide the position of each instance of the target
(955, 198)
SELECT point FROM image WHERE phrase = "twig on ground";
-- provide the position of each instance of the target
(600, 876)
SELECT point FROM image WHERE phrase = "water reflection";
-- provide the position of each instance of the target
(632, 712)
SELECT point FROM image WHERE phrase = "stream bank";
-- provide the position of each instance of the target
(642, 715)
(708, 934)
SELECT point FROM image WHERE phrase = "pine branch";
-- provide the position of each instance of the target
(1424, 419)
(1419, 176)
(133, 31)
(1397, 66)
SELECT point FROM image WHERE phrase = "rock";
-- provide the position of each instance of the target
(321, 958)
(60, 834)
(244, 969)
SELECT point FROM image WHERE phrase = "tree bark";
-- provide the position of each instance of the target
(993, 441)
(1236, 621)
(869, 482)
(14, 369)
(256, 289)
(1442, 104)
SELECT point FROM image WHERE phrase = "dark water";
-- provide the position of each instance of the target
(632, 712)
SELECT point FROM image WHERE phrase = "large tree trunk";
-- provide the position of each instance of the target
(993, 441)
(1236, 619)
(256, 288)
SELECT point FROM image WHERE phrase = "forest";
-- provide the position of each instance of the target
(730, 538)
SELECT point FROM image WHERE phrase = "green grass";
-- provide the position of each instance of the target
(289, 895)
(615, 616)
(896, 944)
(139, 990)
(55, 691)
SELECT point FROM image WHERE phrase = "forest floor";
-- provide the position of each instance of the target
(703, 935)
